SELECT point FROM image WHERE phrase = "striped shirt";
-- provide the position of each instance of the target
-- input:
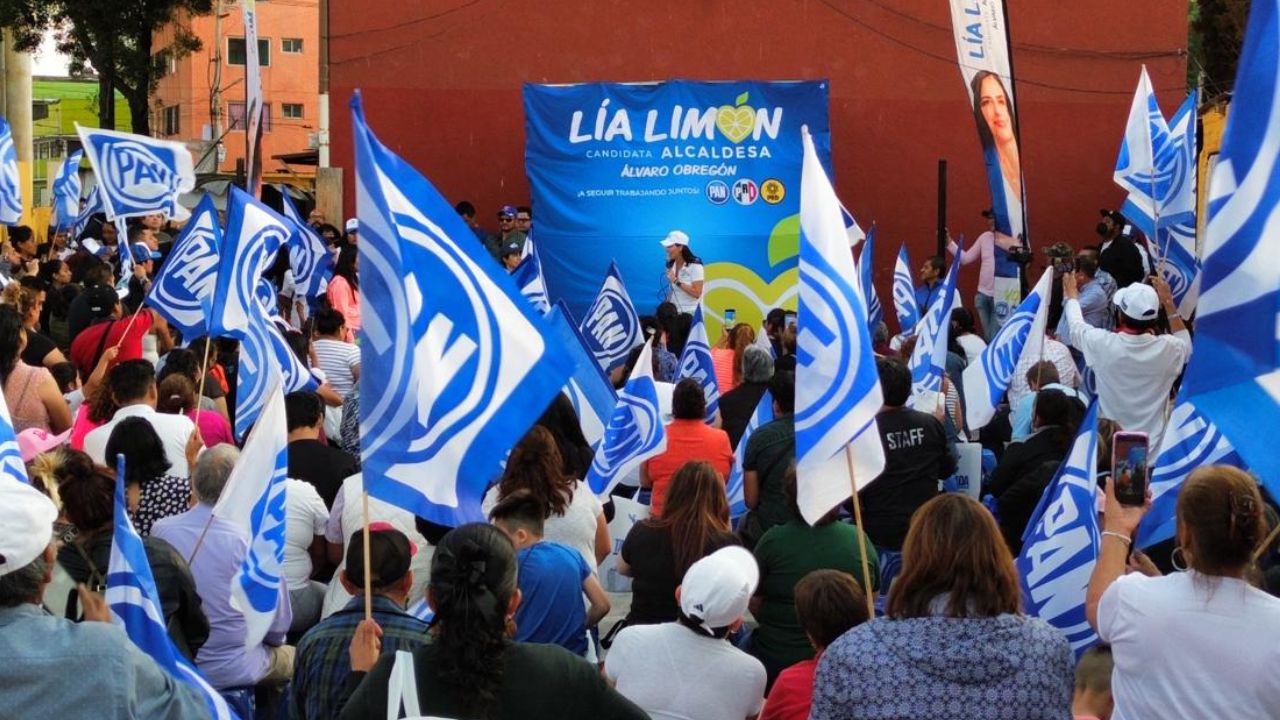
(337, 359)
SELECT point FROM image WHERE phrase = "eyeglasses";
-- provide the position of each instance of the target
(524, 219)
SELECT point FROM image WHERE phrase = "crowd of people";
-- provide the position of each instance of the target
(761, 614)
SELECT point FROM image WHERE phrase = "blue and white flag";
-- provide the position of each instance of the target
(611, 325)
(422, 610)
(987, 380)
(875, 313)
(1234, 375)
(183, 289)
(135, 606)
(1060, 545)
(734, 486)
(528, 277)
(66, 190)
(10, 178)
(928, 361)
(851, 229)
(456, 365)
(837, 385)
(635, 432)
(11, 464)
(254, 501)
(590, 391)
(92, 206)
(1189, 441)
(1139, 168)
(696, 363)
(138, 175)
(904, 294)
(309, 257)
(254, 234)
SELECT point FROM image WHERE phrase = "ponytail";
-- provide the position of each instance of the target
(473, 578)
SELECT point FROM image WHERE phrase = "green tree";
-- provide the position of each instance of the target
(114, 36)
(1217, 33)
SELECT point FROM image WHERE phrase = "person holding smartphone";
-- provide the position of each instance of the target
(1134, 366)
(684, 272)
(1201, 643)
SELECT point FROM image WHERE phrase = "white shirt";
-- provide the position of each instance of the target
(685, 276)
(673, 673)
(1134, 373)
(973, 345)
(1189, 646)
(305, 518)
(576, 528)
(1056, 353)
(174, 432)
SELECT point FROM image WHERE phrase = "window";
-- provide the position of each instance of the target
(236, 113)
(291, 45)
(235, 52)
(170, 122)
(292, 111)
(163, 63)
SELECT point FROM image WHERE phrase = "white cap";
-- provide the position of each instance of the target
(675, 237)
(353, 224)
(717, 588)
(26, 524)
(1137, 301)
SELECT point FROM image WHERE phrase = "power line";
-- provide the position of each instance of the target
(951, 60)
(406, 23)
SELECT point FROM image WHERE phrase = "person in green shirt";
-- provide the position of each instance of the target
(787, 553)
(771, 453)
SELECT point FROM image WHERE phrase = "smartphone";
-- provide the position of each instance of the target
(791, 318)
(1129, 470)
(729, 315)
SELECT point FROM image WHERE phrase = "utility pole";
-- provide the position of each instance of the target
(215, 92)
(322, 151)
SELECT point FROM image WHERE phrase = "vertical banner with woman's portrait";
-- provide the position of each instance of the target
(982, 48)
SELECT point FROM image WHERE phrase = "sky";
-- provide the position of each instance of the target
(47, 61)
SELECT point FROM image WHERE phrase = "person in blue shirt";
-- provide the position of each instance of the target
(931, 273)
(552, 579)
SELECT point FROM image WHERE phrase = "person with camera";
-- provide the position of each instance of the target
(1095, 306)
(1119, 254)
(1134, 366)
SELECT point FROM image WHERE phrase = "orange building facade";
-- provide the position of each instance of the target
(182, 106)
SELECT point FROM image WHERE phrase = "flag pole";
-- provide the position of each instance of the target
(1266, 543)
(862, 537)
(368, 578)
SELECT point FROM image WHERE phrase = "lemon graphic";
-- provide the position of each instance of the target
(736, 121)
(732, 285)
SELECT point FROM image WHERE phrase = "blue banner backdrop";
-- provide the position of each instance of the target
(615, 167)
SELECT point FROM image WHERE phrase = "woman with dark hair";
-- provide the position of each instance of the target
(88, 504)
(561, 420)
(964, 340)
(344, 289)
(1199, 643)
(53, 320)
(575, 516)
(176, 395)
(684, 272)
(151, 493)
(953, 639)
(786, 554)
(472, 669)
(186, 362)
(689, 439)
(673, 328)
(33, 396)
(658, 551)
(998, 129)
(28, 300)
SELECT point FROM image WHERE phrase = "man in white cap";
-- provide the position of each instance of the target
(686, 669)
(55, 668)
(352, 229)
(1134, 367)
(684, 272)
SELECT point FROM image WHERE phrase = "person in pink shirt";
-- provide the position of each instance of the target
(984, 249)
(344, 289)
(176, 395)
(828, 604)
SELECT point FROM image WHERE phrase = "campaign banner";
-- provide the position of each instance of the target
(615, 167)
(982, 50)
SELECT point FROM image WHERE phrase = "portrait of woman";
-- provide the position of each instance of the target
(997, 127)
